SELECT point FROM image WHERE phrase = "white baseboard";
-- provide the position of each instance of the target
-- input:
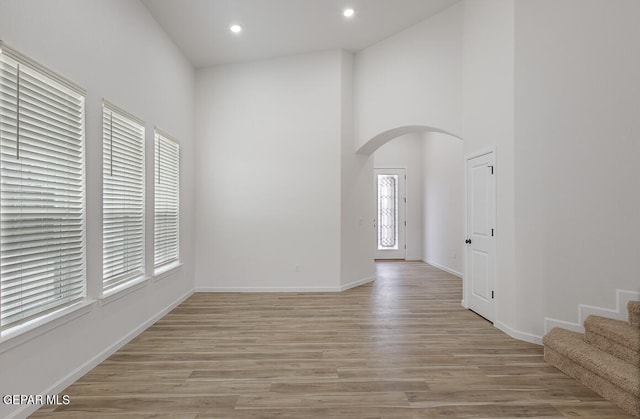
(71, 378)
(267, 289)
(357, 283)
(517, 334)
(444, 268)
(339, 288)
(585, 310)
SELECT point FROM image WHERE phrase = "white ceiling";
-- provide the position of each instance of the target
(273, 28)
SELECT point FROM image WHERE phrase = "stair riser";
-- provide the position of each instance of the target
(625, 353)
(630, 403)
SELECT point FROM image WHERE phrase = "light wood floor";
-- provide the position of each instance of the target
(401, 347)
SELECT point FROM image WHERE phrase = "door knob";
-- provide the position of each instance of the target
(468, 241)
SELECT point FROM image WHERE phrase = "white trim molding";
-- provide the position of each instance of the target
(23, 333)
(443, 268)
(585, 310)
(357, 283)
(339, 288)
(517, 334)
(482, 152)
(215, 289)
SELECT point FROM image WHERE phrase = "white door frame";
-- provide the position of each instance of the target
(401, 252)
(467, 286)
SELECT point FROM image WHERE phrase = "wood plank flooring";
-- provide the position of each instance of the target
(401, 347)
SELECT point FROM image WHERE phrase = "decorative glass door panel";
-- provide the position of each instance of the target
(388, 212)
(389, 189)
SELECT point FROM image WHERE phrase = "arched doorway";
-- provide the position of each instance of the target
(399, 152)
(374, 143)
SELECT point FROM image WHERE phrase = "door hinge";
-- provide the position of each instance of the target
(491, 167)
(492, 295)
(405, 223)
(491, 232)
(405, 200)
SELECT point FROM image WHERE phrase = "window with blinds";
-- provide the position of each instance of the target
(167, 202)
(122, 197)
(42, 220)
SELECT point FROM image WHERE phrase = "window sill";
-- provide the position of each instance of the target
(25, 332)
(167, 270)
(123, 290)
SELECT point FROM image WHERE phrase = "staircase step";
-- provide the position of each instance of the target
(633, 308)
(615, 337)
(610, 377)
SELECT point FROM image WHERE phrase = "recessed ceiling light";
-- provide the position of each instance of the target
(348, 12)
(235, 28)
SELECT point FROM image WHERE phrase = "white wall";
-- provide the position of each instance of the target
(556, 84)
(405, 152)
(268, 174)
(488, 121)
(577, 100)
(115, 50)
(443, 202)
(356, 195)
(412, 78)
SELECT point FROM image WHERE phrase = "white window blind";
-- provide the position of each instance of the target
(167, 202)
(42, 225)
(122, 197)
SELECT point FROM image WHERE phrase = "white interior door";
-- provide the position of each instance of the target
(390, 213)
(481, 234)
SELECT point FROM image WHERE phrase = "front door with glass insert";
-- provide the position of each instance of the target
(390, 213)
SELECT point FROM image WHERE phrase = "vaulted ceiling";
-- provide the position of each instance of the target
(273, 28)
